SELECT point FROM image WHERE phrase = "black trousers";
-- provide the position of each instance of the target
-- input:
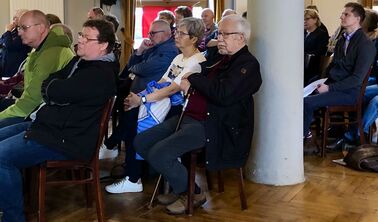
(126, 131)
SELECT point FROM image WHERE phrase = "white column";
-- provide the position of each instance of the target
(277, 41)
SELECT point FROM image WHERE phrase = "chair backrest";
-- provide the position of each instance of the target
(363, 88)
(307, 60)
(323, 64)
(106, 113)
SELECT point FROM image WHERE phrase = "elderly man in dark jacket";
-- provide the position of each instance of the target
(66, 125)
(219, 115)
(354, 54)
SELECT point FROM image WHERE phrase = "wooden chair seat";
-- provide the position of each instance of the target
(191, 181)
(356, 109)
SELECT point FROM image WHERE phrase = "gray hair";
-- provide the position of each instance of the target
(241, 24)
(162, 24)
(194, 26)
(228, 11)
(19, 12)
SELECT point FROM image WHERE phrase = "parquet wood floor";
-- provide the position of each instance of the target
(330, 193)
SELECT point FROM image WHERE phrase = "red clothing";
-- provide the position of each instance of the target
(10, 83)
(197, 106)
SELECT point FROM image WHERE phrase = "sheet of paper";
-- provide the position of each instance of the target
(312, 86)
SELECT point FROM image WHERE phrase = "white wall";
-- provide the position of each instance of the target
(241, 6)
(55, 7)
(229, 4)
(4, 15)
(75, 13)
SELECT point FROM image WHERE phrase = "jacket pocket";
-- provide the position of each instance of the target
(235, 142)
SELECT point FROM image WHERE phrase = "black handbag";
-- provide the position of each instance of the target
(364, 157)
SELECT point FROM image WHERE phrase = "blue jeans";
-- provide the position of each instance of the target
(370, 112)
(160, 146)
(17, 153)
(10, 121)
(370, 92)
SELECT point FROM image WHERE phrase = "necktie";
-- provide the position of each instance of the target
(347, 40)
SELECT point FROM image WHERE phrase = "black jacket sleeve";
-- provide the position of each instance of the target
(230, 86)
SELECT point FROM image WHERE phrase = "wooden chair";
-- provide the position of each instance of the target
(88, 171)
(323, 64)
(191, 181)
(356, 108)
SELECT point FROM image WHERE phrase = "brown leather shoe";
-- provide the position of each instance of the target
(166, 199)
(181, 204)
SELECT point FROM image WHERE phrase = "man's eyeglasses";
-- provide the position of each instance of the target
(85, 37)
(226, 34)
(152, 33)
(180, 33)
(25, 27)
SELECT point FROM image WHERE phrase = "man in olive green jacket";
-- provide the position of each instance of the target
(52, 52)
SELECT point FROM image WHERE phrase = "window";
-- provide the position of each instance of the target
(146, 14)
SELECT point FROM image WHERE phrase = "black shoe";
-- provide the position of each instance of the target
(337, 145)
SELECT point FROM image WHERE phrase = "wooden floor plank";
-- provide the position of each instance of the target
(330, 193)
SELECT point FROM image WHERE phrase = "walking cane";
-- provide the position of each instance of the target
(190, 90)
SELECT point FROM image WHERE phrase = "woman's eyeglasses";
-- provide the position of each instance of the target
(85, 37)
(181, 34)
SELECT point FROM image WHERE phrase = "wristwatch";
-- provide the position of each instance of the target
(144, 99)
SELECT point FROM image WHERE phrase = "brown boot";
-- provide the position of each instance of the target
(181, 204)
(168, 198)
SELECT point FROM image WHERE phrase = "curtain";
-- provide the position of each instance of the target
(218, 9)
(150, 14)
(128, 10)
(368, 3)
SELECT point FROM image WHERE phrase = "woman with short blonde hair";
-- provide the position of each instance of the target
(315, 45)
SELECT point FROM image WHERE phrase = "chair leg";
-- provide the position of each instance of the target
(325, 133)
(98, 195)
(220, 181)
(243, 200)
(41, 194)
(191, 181)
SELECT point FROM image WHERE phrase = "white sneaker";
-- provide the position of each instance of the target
(105, 153)
(125, 186)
